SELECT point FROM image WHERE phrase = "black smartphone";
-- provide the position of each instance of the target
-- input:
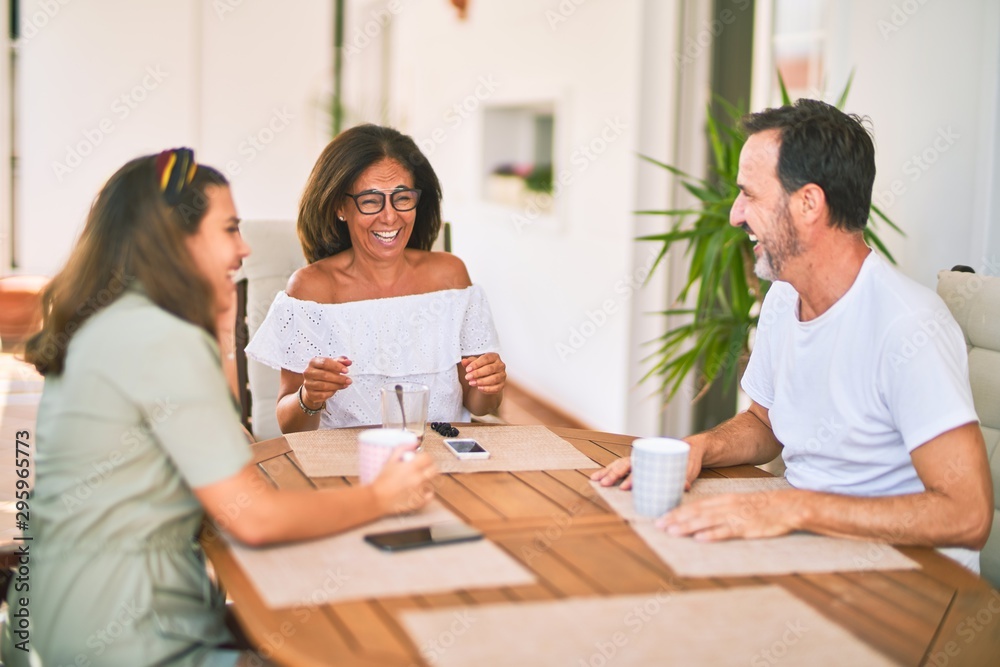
(425, 536)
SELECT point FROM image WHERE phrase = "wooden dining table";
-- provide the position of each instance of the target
(553, 523)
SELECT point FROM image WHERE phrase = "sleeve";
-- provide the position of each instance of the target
(278, 343)
(924, 376)
(478, 334)
(186, 401)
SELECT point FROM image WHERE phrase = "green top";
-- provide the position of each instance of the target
(140, 415)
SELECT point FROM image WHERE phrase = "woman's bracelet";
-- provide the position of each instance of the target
(302, 405)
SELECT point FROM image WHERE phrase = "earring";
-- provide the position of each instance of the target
(341, 218)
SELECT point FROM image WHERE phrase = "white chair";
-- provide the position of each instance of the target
(974, 300)
(275, 256)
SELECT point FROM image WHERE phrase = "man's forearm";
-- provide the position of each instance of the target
(920, 519)
(743, 439)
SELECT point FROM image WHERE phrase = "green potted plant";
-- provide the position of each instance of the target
(721, 295)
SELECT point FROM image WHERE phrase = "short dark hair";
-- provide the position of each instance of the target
(340, 165)
(823, 145)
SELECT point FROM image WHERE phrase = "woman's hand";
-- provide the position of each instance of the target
(322, 379)
(404, 484)
(487, 372)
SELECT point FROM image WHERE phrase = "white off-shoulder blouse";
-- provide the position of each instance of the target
(419, 338)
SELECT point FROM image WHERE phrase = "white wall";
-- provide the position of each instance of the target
(564, 287)
(5, 148)
(266, 72)
(103, 82)
(927, 75)
(233, 70)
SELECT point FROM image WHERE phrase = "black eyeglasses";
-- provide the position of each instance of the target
(371, 202)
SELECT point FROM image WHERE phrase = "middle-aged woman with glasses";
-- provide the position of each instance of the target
(374, 306)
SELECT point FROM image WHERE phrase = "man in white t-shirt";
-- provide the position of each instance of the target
(859, 376)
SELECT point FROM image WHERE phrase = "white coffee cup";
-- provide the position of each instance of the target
(374, 447)
(659, 470)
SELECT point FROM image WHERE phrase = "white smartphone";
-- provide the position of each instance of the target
(466, 448)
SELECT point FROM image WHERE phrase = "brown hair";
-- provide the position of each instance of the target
(131, 235)
(340, 165)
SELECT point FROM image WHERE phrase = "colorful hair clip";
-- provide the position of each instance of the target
(175, 170)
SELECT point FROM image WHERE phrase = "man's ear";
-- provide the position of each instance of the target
(812, 203)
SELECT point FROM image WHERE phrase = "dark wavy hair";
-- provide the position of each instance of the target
(821, 144)
(340, 165)
(131, 235)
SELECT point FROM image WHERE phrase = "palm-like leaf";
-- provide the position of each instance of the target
(720, 284)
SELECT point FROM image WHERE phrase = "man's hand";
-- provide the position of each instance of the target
(731, 515)
(621, 469)
(614, 472)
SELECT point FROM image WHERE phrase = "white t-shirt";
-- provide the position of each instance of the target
(852, 392)
(419, 338)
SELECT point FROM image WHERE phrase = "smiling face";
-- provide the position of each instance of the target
(386, 233)
(217, 247)
(762, 207)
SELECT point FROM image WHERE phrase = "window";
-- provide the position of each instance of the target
(791, 37)
(517, 156)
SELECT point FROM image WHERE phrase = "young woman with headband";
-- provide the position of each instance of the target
(138, 435)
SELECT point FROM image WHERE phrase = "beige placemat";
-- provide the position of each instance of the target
(788, 554)
(334, 453)
(345, 567)
(746, 626)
